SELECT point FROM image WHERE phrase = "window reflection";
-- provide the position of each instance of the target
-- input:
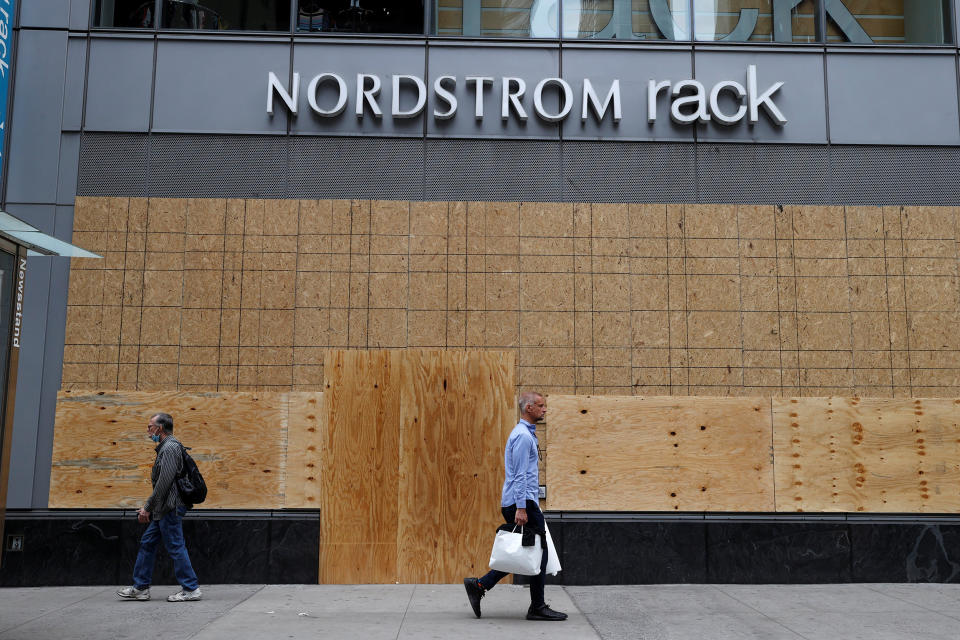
(135, 14)
(889, 21)
(243, 15)
(360, 16)
(847, 21)
(627, 19)
(754, 21)
(497, 18)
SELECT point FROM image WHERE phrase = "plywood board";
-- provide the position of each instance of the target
(480, 404)
(618, 453)
(306, 426)
(102, 456)
(456, 412)
(360, 462)
(867, 454)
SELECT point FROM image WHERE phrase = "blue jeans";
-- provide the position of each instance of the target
(535, 522)
(170, 528)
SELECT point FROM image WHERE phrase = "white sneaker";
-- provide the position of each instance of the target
(185, 596)
(132, 593)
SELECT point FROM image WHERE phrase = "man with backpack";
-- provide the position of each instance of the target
(164, 511)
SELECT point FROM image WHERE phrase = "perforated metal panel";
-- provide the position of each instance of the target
(217, 166)
(181, 165)
(628, 172)
(375, 168)
(762, 173)
(896, 175)
(113, 164)
(493, 170)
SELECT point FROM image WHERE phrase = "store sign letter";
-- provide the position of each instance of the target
(552, 100)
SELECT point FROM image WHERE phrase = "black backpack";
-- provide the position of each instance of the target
(190, 484)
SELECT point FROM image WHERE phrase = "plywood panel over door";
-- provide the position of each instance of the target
(456, 411)
(610, 453)
(423, 505)
(102, 456)
(867, 454)
(358, 520)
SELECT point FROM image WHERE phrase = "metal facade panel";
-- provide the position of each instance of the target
(494, 170)
(879, 98)
(213, 166)
(217, 86)
(55, 335)
(79, 15)
(34, 150)
(530, 62)
(73, 84)
(348, 60)
(118, 84)
(870, 175)
(634, 68)
(801, 99)
(48, 14)
(628, 172)
(361, 167)
(763, 174)
(69, 168)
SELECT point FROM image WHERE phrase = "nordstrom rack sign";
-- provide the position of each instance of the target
(551, 100)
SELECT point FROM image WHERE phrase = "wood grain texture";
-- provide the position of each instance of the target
(360, 459)
(659, 454)
(306, 426)
(867, 454)
(456, 411)
(102, 456)
(421, 526)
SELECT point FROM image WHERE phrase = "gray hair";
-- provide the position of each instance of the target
(527, 398)
(165, 420)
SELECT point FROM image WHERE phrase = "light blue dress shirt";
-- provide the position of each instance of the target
(520, 460)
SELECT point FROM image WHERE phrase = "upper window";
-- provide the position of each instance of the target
(889, 21)
(129, 14)
(242, 15)
(755, 21)
(360, 16)
(785, 21)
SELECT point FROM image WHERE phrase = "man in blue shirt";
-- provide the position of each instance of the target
(521, 490)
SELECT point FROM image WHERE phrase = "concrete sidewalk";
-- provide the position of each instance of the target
(374, 612)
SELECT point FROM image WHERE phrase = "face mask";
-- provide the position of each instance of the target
(155, 438)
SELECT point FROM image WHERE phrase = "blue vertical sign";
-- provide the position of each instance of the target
(6, 52)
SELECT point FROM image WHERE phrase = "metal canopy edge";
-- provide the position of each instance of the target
(37, 242)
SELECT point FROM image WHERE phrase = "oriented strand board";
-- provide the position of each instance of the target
(456, 411)
(102, 456)
(867, 454)
(306, 424)
(360, 461)
(610, 453)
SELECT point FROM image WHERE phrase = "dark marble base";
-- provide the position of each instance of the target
(102, 551)
(766, 552)
(271, 548)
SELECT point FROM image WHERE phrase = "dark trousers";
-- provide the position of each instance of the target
(535, 522)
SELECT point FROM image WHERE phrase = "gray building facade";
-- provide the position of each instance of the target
(158, 112)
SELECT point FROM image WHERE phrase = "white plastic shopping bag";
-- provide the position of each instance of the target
(510, 556)
(553, 560)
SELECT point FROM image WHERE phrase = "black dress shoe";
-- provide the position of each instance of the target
(474, 593)
(545, 613)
